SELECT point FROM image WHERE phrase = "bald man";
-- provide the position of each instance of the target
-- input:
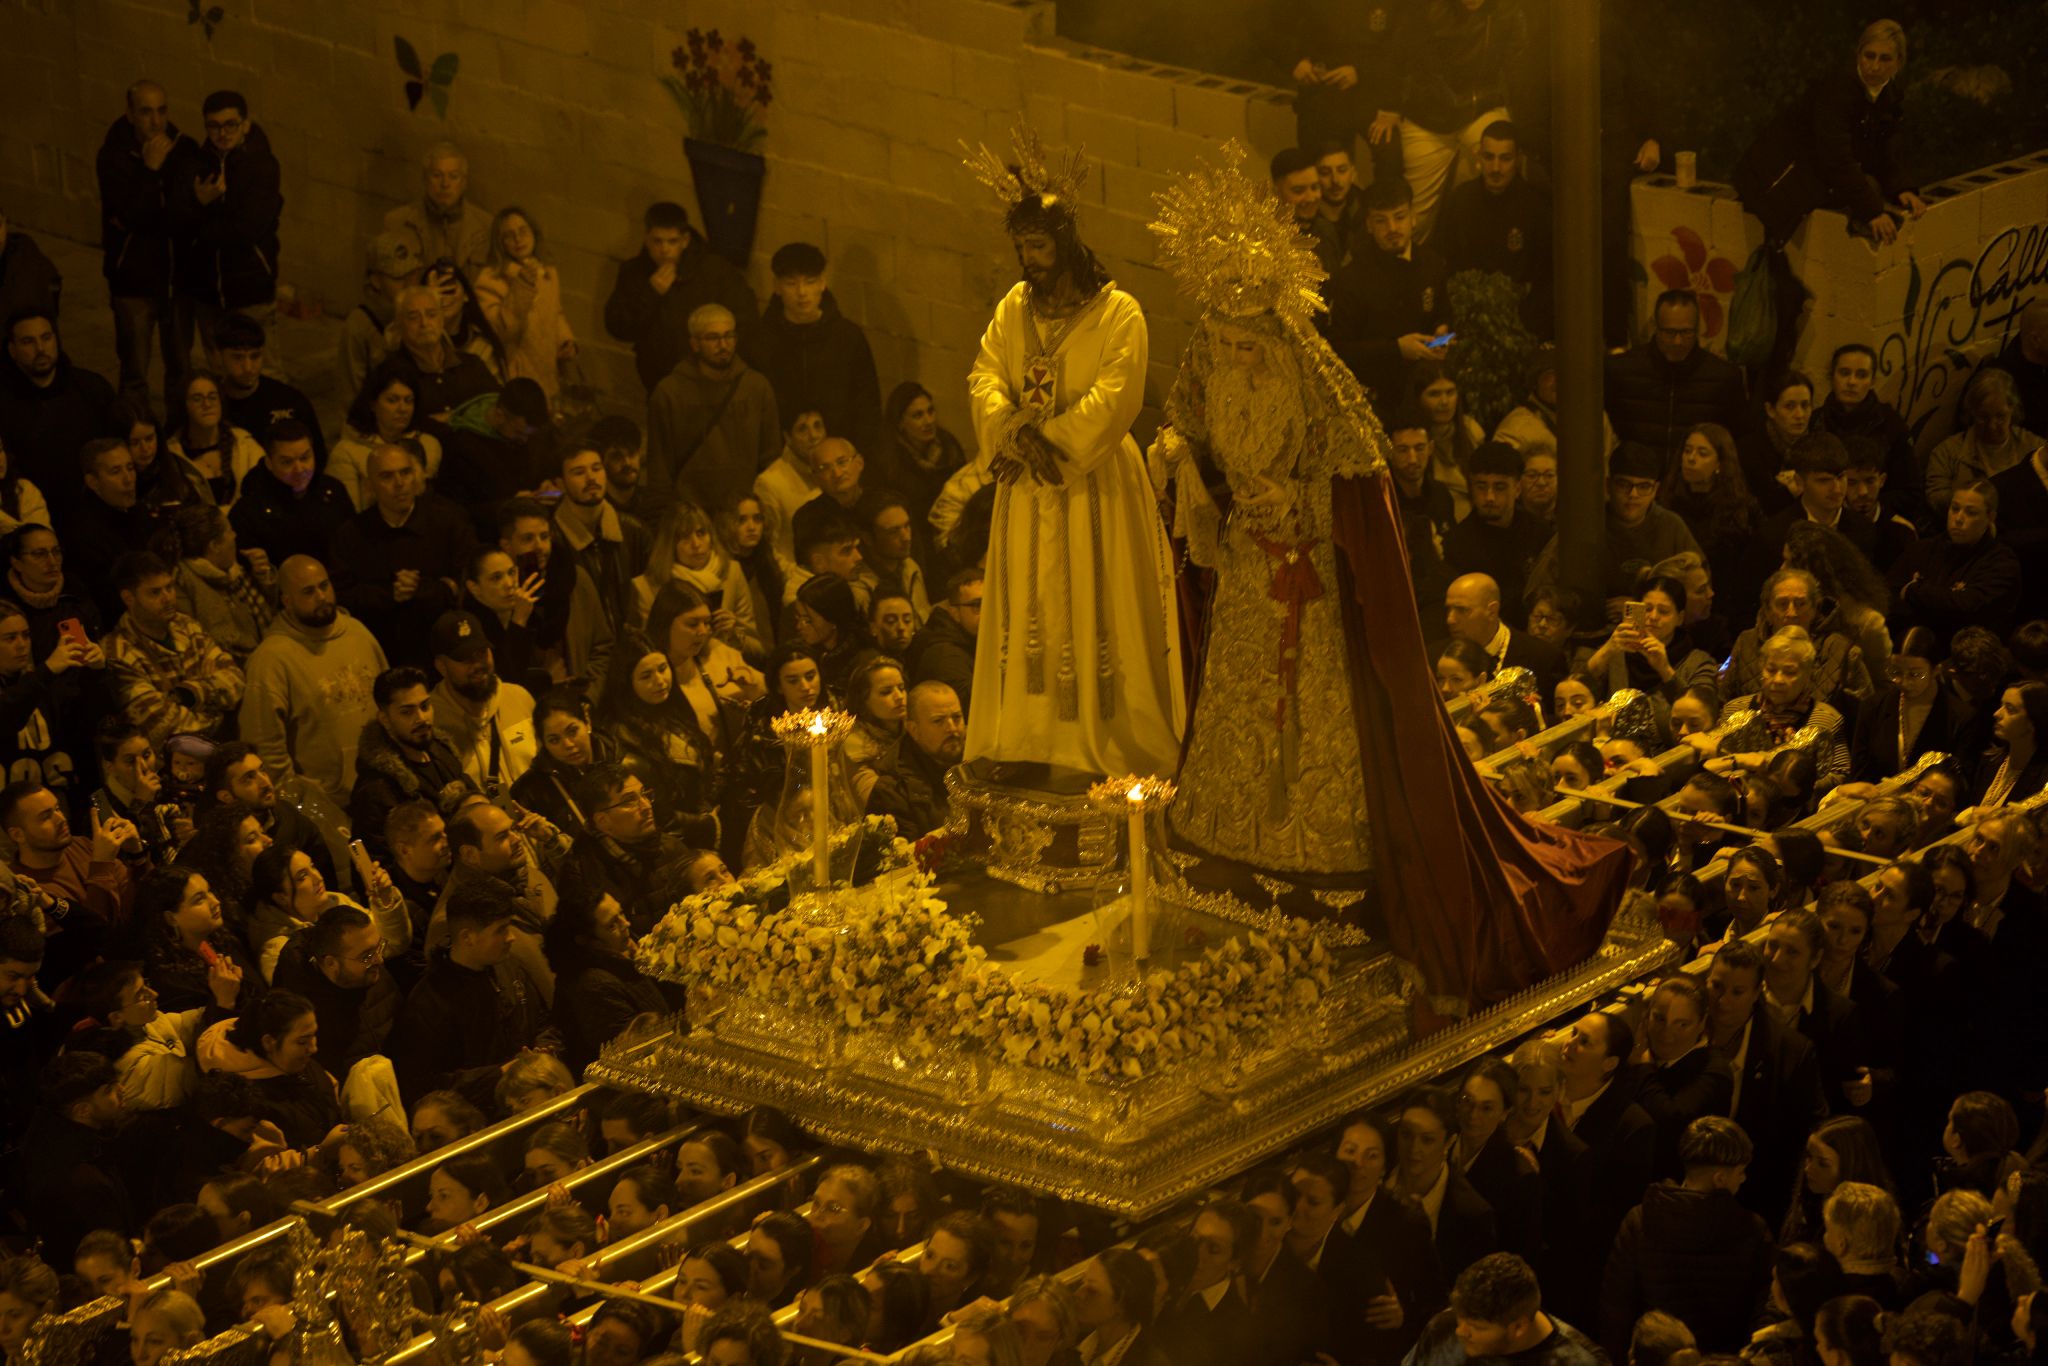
(308, 693)
(1472, 611)
(711, 425)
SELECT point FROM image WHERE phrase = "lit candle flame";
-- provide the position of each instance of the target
(1137, 792)
(817, 725)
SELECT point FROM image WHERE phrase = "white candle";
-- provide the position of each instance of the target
(1141, 879)
(821, 807)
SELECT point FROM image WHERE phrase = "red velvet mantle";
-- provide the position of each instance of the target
(1482, 900)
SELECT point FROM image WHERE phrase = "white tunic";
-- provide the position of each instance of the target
(1086, 561)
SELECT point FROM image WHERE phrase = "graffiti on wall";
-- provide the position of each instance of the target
(1957, 317)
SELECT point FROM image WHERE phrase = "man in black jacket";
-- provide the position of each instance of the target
(402, 758)
(109, 521)
(1678, 1076)
(1659, 389)
(398, 563)
(141, 150)
(1212, 1325)
(470, 1015)
(252, 400)
(1853, 409)
(675, 272)
(227, 202)
(624, 854)
(942, 651)
(287, 507)
(610, 545)
(1473, 611)
(1690, 1249)
(341, 971)
(1387, 304)
(49, 409)
(1498, 539)
(816, 358)
(1598, 1101)
(1778, 1095)
(1498, 221)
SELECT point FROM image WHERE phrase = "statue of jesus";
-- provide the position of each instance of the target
(1077, 667)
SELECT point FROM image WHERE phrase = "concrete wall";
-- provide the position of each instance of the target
(558, 105)
(1935, 304)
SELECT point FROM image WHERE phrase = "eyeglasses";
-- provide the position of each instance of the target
(370, 957)
(1539, 476)
(1678, 333)
(46, 553)
(227, 125)
(639, 798)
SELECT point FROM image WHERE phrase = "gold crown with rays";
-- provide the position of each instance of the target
(1231, 246)
(1033, 171)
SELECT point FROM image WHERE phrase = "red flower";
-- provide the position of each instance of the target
(1710, 277)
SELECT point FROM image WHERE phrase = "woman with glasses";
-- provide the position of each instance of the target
(213, 453)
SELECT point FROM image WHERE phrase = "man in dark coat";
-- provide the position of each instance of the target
(1473, 611)
(227, 203)
(470, 1014)
(1387, 303)
(1661, 388)
(599, 989)
(675, 272)
(624, 854)
(1836, 146)
(1852, 409)
(399, 563)
(1690, 1249)
(1598, 1104)
(942, 651)
(49, 409)
(1778, 1096)
(286, 508)
(341, 971)
(252, 400)
(107, 522)
(1500, 222)
(402, 758)
(816, 358)
(140, 152)
(1212, 1324)
(1680, 1078)
(1498, 539)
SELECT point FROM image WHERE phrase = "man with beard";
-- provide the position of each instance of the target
(942, 651)
(624, 854)
(624, 448)
(235, 775)
(49, 409)
(309, 681)
(886, 565)
(935, 732)
(659, 291)
(401, 757)
(1082, 676)
(571, 629)
(489, 722)
(610, 545)
(493, 855)
(342, 973)
(711, 425)
(286, 507)
(90, 890)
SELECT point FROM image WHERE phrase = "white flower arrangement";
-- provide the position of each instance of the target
(896, 957)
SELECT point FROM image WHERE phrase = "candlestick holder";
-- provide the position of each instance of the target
(1131, 923)
(805, 822)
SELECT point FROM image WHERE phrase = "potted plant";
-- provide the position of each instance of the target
(722, 88)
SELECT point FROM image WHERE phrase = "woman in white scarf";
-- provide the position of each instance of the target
(686, 552)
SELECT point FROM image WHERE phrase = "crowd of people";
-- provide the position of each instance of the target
(345, 765)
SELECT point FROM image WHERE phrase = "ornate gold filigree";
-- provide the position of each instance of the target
(1232, 247)
(813, 726)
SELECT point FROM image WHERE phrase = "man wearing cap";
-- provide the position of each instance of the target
(489, 722)
(442, 223)
(398, 563)
(675, 274)
(487, 455)
(394, 264)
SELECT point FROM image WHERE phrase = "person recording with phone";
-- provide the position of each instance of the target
(130, 787)
(1387, 304)
(1650, 649)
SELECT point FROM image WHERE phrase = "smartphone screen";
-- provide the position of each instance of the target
(1637, 617)
(73, 630)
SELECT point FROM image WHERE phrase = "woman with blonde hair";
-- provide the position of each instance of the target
(687, 550)
(521, 298)
(1990, 440)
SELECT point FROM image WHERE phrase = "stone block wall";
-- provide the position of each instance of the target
(558, 107)
(1935, 304)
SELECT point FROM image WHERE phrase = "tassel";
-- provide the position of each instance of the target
(1069, 698)
(1105, 683)
(1034, 658)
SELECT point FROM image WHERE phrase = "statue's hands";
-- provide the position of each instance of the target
(1163, 458)
(1005, 469)
(1267, 495)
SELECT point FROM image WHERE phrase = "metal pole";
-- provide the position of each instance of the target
(1575, 182)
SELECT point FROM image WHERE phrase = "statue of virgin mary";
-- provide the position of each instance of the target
(1319, 754)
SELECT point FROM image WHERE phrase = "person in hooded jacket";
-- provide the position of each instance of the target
(273, 1043)
(227, 202)
(1690, 1249)
(49, 409)
(141, 151)
(307, 692)
(675, 273)
(598, 987)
